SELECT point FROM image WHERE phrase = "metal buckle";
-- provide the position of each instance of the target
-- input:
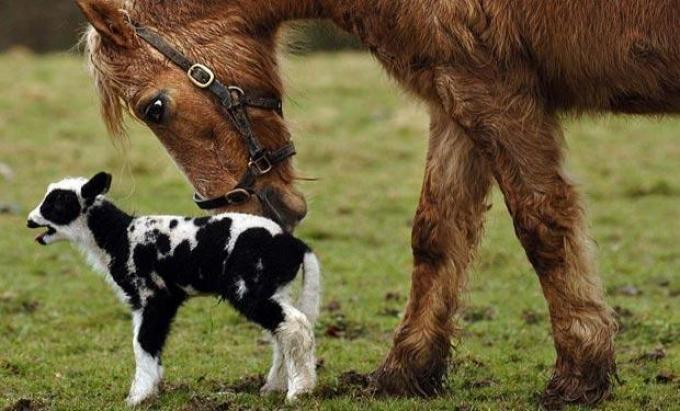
(237, 196)
(260, 165)
(199, 79)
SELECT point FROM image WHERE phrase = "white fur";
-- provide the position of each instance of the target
(308, 302)
(241, 288)
(148, 373)
(99, 261)
(296, 339)
(277, 380)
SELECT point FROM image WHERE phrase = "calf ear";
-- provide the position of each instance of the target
(99, 184)
(107, 17)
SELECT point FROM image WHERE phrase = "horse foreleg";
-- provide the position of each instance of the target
(523, 145)
(446, 231)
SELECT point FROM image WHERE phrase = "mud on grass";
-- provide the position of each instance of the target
(65, 340)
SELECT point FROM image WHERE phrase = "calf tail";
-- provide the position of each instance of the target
(310, 296)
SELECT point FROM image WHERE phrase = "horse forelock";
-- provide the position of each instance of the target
(198, 34)
(107, 83)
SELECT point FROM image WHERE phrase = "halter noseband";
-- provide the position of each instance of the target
(233, 100)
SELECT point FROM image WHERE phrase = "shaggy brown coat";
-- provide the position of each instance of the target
(495, 74)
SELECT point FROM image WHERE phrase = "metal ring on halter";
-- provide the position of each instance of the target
(238, 196)
(237, 89)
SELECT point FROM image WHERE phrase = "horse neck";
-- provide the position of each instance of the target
(373, 21)
(401, 34)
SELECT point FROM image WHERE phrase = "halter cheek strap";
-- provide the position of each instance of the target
(233, 101)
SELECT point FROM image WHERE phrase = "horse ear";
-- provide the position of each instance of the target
(99, 184)
(108, 18)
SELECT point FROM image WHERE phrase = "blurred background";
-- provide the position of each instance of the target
(51, 25)
(65, 339)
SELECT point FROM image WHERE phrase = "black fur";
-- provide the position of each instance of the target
(99, 184)
(109, 228)
(61, 207)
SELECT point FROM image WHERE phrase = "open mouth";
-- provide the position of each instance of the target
(40, 238)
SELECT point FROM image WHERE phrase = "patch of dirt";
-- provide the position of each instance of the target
(10, 208)
(531, 317)
(321, 235)
(663, 282)
(654, 355)
(352, 377)
(344, 210)
(340, 327)
(12, 369)
(198, 403)
(622, 312)
(661, 188)
(26, 404)
(628, 290)
(12, 304)
(394, 296)
(30, 306)
(665, 377)
(476, 314)
(350, 383)
(320, 364)
(250, 384)
(332, 306)
(390, 312)
(482, 383)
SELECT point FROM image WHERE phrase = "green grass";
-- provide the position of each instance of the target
(65, 341)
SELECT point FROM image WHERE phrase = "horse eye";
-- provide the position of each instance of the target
(155, 110)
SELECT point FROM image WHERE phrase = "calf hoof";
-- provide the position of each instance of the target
(268, 389)
(293, 396)
(137, 397)
(133, 401)
(295, 393)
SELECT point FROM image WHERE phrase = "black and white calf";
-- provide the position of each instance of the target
(155, 263)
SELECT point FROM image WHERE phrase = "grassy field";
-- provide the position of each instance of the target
(65, 341)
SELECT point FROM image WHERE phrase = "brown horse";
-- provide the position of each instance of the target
(495, 74)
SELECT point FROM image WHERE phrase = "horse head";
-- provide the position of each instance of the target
(134, 76)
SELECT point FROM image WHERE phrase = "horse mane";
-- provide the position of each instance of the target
(107, 84)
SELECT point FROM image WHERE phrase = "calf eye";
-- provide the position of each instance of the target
(155, 110)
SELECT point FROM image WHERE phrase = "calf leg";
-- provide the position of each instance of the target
(522, 142)
(294, 337)
(446, 231)
(151, 326)
(276, 378)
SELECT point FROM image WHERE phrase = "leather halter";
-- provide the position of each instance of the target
(234, 101)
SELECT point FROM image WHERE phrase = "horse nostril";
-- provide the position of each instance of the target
(299, 215)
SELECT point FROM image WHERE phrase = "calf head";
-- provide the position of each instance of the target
(63, 208)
